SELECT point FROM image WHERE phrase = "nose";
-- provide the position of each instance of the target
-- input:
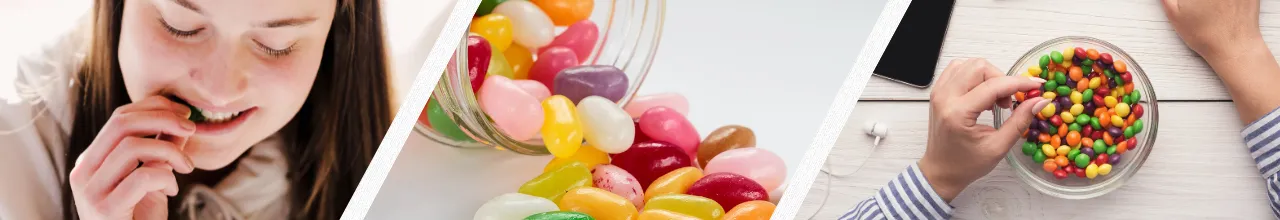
(225, 77)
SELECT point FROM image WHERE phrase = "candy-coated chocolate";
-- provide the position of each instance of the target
(530, 27)
(580, 37)
(591, 80)
(696, 206)
(513, 206)
(761, 165)
(549, 64)
(494, 27)
(561, 130)
(675, 182)
(552, 185)
(725, 138)
(753, 210)
(666, 124)
(638, 105)
(619, 182)
(560, 215)
(516, 113)
(651, 159)
(565, 12)
(728, 189)
(606, 125)
(478, 55)
(598, 203)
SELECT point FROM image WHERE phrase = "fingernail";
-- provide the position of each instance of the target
(1037, 79)
(190, 163)
(189, 125)
(1040, 105)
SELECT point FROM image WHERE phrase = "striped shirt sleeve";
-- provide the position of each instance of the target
(909, 196)
(1263, 139)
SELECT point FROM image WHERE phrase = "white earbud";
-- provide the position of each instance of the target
(877, 129)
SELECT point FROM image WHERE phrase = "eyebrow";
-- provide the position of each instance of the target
(187, 4)
(289, 22)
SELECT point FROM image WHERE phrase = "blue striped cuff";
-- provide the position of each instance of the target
(1261, 137)
(910, 196)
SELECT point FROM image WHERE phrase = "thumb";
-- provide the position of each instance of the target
(155, 205)
(1170, 7)
(1019, 121)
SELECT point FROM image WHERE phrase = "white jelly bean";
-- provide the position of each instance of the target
(514, 206)
(607, 126)
(530, 27)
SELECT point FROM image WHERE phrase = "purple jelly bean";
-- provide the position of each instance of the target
(1044, 126)
(1088, 106)
(1087, 151)
(579, 82)
(1114, 159)
(1033, 135)
(1115, 132)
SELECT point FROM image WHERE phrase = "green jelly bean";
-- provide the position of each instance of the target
(1082, 160)
(1044, 62)
(559, 215)
(1137, 96)
(1088, 95)
(1087, 63)
(1125, 99)
(1053, 129)
(1109, 74)
(1095, 124)
(1050, 86)
(1073, 153)
(1128, 132)
(1082, 120)
(1056, 56)
(1086, 69)
(1099, 147)
(1137, 126)
(1074, 126)
(440, 122)
(1046, 75)
(1029, 148)
(1062, 89)
(1039, 156)
(486, 7)
(1060, 77)
(1119, 81)
(1111, 150)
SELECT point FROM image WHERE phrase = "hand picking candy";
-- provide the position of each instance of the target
(1094, 116)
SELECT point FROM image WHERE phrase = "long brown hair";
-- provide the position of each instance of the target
(332, 138)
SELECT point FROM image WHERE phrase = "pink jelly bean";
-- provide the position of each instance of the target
(534, 88)
(514, 111)
(758, 164)
(549, 64)
(618, 181)
(665, 124)
(579, 37)
(639, 104)
(728, 189)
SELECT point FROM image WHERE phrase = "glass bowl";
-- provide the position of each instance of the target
(1075, 187)
(629, 32)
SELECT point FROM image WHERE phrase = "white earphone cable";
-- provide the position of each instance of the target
(831, 175)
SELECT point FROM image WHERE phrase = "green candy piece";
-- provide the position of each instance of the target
(1128, 132)
(1082, 120)
(1099, 146)
(1029, 148)
(1082, 160)
(1039, 157)
(1119, 82)
(1125, 99)
(1056, 56)
(1073, 153)
(1053, 129)
(1137, 96)
(1064, 89)
(1086, 70)
(1111, 150)
(1095, 124)
(559, 215)
(1044, 63)
(486, 7)
(1061, 78)
(1137, 126)
(1050, 86)
(440, 122)
(196, 116)
(1088, 95)
(1087, 63)
(1074, 127)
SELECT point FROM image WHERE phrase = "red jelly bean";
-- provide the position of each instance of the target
(1106, 58)
(728, 189)
(478, 53)
(1127, 77)
(1080, 173)
(1060, 174)
(1057, 121)
(640, 136)
(1101, 159)
(1034, 93)
(1137, 110)
(1081, 53)
(1097, 134)
(1087, 130)
(651, 159)
(1132, 142)
(1097, 99)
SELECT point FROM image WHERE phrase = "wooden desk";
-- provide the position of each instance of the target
(1200, 168)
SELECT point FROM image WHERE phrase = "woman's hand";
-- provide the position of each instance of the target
(959, 149)
(123, 174)
(1216, 29)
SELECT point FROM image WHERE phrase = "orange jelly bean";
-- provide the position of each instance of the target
(1106, 138)
(565, 12)
(1076, 73)
(1092, 54)
(1043, 137)
(1128, 87)
(1087, 142)
(753, 210)
(1073, 138)
(1020, 96)
(1120, 66)
(1055, 140)
(1082, 85)
(1104, 123)
(1122, 147)
(598, 203)
(1062, 130)
(1050, 166)
(1061, 160)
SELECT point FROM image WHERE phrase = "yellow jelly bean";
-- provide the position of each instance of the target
(1048, 150)
(1077, 109)
(1122, 109)
(1068, 117)
(1117, 121)
(1068, 53)
(1048, 110)
(1110, 101)
(598, 203)
(1095, 82)
(498, 64)
(588, 156)
(520, 60)
(495, 28)
(1104, 169)
(658, 214)
(1049, 95)
(753, 210)
(1034, 70)
(561, 129)
(552, 185)
(1076, 97)
(675, 182)
(1063, 150)
(696, 206)
(1091, 171)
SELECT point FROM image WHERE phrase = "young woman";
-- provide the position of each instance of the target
(230, 109)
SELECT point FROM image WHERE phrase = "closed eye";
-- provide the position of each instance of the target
(275, 53)
(179, 32)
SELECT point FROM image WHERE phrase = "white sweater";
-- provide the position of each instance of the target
(34, 135)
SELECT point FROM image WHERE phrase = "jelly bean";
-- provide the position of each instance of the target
(1104, 169)
(759, 164)
(676, 182)
(1062, 150)
(1137, 124)
(498, 65)
(1076, 73)
(1020, 96)
(1050, 166)
(1133, 143)
(1080, 53)
(1076, 98)
(638, 105)
(1137, 110)
(1072, 154)
(1137, 96)
(1122, 109)
(1111, 150)
(1122, 147)
(605, 125)
(658, 214)
(478, 54)
(1055, 140)
(696, 206)
(1080, 173)
(1128, 132)
(441, 123)
(549, 64)
(1095, 82)
(520, 60)
(1029, 148)
(1100, 159)
(619, 182)
(1034, 70)
(561, 130)
(1049, 150)
(1121, 67)
(565, 12)
(534, 88)
(1056, 56)
(1034, 93)
(493, 27)
(1068, 54)
(1105, 58)
(1082, 160)
(1044, 126)
(723, 139)
(1051, 86)
(559, 215)
(666, 124)
(516, 113)
(1091, 171)
(1115, 159)
(1048, 110)
(1110, 101)
(530, 27)
(753, 210)
(579, 37)
(1092, 54)
(591, 80)
(1061, 78)
(1067, 117)
(1073, 138)
(1082, 85)
(1044, 61)
(552, 185)
(513, 206)
(1086, 96)
(1061, 161)
(1044, 137)
(1062, 130)
(1039, 157)
(1060, 174)
(1082, 119)
(598, 203)
(589, 157)
(650, 159)
(1116, 120)
(728, 189)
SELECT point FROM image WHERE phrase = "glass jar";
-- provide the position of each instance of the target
(629, 34)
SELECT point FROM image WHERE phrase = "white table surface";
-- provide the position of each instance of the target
(776, 74)
(1200, 168)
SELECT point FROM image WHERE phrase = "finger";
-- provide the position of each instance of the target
(943, 87)
(153, 103)
(1170, 7)
(977, 72)
(128, 124)
(132, 152)
(137, 185)
(154, 206)
(1019, 121)
(983, 96)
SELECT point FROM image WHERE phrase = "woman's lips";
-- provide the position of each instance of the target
(222, 127)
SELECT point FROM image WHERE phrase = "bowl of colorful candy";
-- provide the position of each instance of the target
(1100, 126)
